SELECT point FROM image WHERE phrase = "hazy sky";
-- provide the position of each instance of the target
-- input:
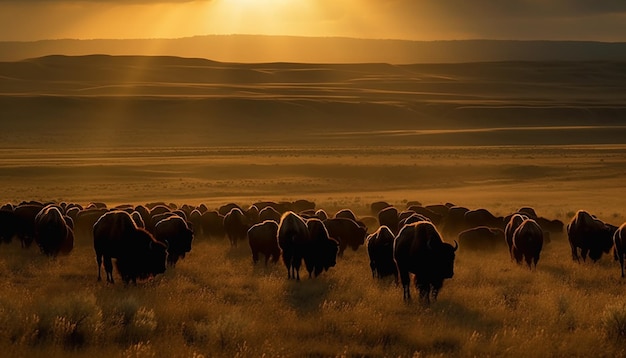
(601, 20)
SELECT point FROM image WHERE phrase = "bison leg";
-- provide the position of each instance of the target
(517, 254)
(424, 290)
(583, 253)
(621, 263)
(574, 253)
(529, 261)
(406, 283)
(108, 268)
(99, 262)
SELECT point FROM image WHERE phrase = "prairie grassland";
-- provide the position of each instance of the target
(216, 303)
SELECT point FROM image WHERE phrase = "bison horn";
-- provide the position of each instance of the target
(456, 245)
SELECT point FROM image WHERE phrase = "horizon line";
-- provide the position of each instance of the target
(313, 37)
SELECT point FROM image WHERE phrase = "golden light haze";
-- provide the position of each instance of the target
(88, 20)
(29, 20)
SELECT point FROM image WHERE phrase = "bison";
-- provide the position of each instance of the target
(176, 234)
(263, 238)
(25, 215)
(8, 226)
(294, 240)
(380, 251)
(390, 218)
(52, 234)
(269, 213)
(619, 245)
(527, 243)
(347, 232)
(322, 253)
(138, 254)
(482, 238)
(236, 226)
(419, 249)
(590, 235)
(512, 225)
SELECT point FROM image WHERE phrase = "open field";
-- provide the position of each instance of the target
(216, 303)
(559, 179)
(135, 130)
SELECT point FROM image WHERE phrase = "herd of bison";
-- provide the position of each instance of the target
(145, 239)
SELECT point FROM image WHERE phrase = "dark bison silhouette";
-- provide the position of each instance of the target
(8, 225)
(347, 232)
(236, 226)
(380, 251)
(138, 254)
(619, 245)
(590, 235)
(389, 217)
(527, 243)
(52, 234)
(174, 232)
(419, 249)
(294, 240)
(514, 222)
(482, 238)
(322, 253)
(263, 239)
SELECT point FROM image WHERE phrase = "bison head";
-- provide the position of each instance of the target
(444, 255)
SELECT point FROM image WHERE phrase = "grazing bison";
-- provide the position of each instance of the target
(25, 215)
(174, 232)
(322, 253)
(236, 226)
(252, 215)
(482, 217)
(345, 213)
(528, 212)
(263, 238)
(138, 254)
(432, 216)
(83, 225)
(514, 222)
(377, 206)
(269, 213)
(52, 234)
(347, 232)
(226, 208)
(454, 222)
(482, 238)
(8, 226)
(590, 235)
(138, 219)
(390, 218)
(213, 224)
(550, 226)
(419, 249)
(321, 214)
(294, 240)
(619, 245)
(300, 205)
(527, 243)
(380, 251)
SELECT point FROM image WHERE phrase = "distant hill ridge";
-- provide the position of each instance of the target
(258, 48)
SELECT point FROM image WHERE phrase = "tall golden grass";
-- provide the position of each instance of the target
(217, 303)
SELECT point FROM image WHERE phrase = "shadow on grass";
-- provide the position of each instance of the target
(459, 315)
(307, 295)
